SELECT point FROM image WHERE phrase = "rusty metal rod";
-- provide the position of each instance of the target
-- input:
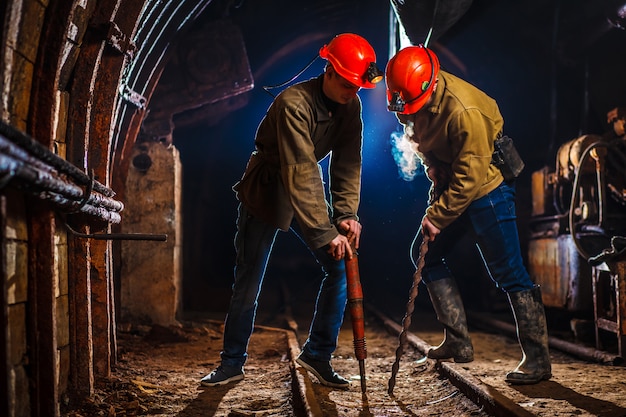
(118, 236)
(40, 152)
(406, 321)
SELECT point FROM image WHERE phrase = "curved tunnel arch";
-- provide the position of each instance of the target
(71, 58)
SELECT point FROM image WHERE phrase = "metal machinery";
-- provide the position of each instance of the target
(578, 229)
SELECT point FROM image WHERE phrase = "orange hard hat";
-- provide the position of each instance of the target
(410, 78)
(354, 59)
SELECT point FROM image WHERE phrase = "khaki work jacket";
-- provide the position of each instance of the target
(283, 178)
(457, 129)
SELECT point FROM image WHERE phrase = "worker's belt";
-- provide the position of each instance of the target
(506, 158)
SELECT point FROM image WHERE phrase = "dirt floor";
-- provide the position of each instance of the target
(159, 370)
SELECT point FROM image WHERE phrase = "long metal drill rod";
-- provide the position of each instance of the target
(406, 321)
(355, 304)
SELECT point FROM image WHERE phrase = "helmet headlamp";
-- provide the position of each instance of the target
(396, 104)
(374, 74)
(354, 59)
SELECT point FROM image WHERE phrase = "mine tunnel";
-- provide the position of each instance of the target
(126, 123)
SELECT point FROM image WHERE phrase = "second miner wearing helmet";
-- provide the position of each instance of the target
(452, 126)
(283, 181)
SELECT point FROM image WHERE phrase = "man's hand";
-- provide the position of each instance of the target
(352, 230)
(348, 239)
(429, 230)
(340, 247)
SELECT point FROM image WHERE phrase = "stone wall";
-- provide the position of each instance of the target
(151, 270)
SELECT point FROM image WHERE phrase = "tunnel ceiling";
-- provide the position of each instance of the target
(562, 31)
(232, 39)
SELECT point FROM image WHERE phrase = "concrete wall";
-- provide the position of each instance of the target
(151, 270)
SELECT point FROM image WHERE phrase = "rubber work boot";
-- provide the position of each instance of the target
(532, 333)
(323, 371)
(448, 305)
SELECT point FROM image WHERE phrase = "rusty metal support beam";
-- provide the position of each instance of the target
(81, 354)
(94, 104)
(42, 317)
(50, 76)
(5, 408)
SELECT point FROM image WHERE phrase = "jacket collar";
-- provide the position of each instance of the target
(435, 103)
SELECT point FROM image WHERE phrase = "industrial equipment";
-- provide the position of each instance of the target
(578, 214)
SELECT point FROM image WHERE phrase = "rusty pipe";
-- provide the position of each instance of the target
(38, 151)
(355, 305)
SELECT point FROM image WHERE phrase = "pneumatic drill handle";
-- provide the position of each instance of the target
(355, 305)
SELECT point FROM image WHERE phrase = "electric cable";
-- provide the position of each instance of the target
(432, 25)
(271, 87)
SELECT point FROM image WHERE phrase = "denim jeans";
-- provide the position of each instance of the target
(490, 220)
(253, 243)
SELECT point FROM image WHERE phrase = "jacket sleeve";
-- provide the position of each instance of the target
(345, 170)
(301, 175)
(470, 140)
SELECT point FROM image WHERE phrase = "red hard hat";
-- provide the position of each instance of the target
(354, 59)
(410, 78)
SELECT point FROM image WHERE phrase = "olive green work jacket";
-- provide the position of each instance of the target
(283, 179)
(458, 127)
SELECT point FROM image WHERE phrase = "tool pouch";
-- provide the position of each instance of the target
(506, 158)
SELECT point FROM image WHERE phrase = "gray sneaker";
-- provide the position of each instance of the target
(222, 376)
(323, 371)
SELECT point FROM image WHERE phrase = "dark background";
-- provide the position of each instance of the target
(555, 68)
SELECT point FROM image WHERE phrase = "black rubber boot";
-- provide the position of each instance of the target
(448, 305)
(532, 333)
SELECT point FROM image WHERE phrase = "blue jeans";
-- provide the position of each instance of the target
(490, 220)
(253, 243)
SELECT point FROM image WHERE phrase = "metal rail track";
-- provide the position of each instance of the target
(491, 399)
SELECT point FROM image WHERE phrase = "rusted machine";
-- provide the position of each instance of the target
(578, 212)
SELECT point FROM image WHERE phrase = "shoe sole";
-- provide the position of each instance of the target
(224, 382)
(544, 377)
(319, 377)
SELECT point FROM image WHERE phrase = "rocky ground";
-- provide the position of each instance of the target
(159, 369)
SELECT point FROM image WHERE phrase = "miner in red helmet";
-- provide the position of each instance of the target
(455, 129)
(283, 182)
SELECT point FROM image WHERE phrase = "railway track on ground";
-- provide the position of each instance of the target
(427, 387)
